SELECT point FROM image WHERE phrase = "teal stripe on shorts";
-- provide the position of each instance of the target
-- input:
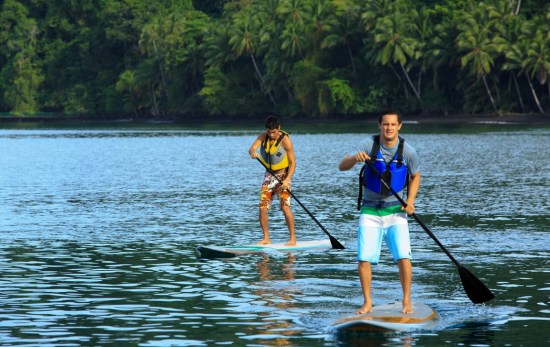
(381, 212)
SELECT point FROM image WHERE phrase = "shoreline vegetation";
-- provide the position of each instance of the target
(245, 122)
(312, 59)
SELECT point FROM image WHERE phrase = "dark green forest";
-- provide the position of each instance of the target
(299, 58)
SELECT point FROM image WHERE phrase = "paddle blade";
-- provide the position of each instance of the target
(474, 288)
(335, 243)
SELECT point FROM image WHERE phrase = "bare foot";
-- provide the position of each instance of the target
(291, 243)
(366, 308)
(264, 242)
(407, 308)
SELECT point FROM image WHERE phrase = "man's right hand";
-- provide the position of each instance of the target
(362, 157)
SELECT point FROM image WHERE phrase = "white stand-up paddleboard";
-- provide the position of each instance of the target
(388, 318)
(212, 251)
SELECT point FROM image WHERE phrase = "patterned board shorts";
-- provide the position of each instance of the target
(271, 187)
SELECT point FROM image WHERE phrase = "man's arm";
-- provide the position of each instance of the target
(414, 184)
(349, 161)
(287, 145)
(255, 145)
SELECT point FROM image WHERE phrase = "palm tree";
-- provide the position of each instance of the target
(153, 44)
(296, 16)
(295, 11)
(509, 26)
(376, 9)
(294, 42)
(344, 29)
(422, 32)
(20, 74)
(537, 62)
(531, 54)
(395, 43)
(476, 48)
(440, 50)
(277, 64)
(244, 40)
(128, 87)
(320, 20)
(215, 46)
(538, 50)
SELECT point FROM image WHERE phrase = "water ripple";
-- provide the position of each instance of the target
(98, 232)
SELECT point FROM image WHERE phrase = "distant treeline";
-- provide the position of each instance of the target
(313, 58)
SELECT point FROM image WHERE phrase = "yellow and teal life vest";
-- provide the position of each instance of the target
(274, 156)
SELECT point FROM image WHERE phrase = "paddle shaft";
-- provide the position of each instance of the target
(335, 243)
(474, 288)
(416, 218)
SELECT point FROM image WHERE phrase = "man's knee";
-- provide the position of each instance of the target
(285, 207)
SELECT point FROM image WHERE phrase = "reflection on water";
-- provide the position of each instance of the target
(275, 331)
(98, 231)
(287, 268)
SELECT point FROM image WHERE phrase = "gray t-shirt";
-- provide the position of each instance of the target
(410, 158)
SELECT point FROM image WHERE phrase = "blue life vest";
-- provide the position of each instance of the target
(395, 173)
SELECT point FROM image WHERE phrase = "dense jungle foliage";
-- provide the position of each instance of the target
(314, 58)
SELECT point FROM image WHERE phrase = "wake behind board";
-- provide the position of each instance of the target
(212, 251)
(388, 318)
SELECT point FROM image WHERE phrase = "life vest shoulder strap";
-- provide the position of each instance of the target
(400, 151)
(376, 148)
(277, 142)
(283, 134)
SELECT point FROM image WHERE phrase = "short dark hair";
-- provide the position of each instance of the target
(389, 111)
(272, 122)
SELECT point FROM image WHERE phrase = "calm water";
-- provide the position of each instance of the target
(98, 230)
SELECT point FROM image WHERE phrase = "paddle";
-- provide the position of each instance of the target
(335, 243)
(474, 288)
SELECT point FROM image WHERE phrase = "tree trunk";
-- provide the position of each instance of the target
(401, 83)
(518, 7)
(489, 94)
(161, 70)
(154, 108)
(518, 91)
(261, 78)
(419, 82)
(499, 98)
(434, 81)
(416, 92)
(352, 61)
(534, 94)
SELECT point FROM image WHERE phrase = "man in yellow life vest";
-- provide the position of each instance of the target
(277, 154)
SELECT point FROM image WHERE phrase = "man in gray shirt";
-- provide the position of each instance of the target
(382, 215)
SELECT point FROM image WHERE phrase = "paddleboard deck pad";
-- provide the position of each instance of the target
(388, 318)
(212, 251)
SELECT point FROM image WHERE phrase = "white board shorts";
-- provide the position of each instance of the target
(376, 225)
